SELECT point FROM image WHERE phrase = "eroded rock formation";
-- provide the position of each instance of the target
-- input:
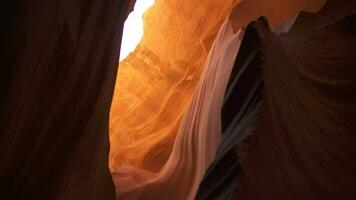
(295, 144)
(58, 67)
(59, 62)
(155, 82)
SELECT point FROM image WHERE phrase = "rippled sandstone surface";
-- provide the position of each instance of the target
(156, 81)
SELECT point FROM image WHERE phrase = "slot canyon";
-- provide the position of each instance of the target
(155, 82)
(205, 99)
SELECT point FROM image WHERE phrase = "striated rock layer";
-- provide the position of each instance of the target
(198, 135)
(156, 81)
(304, 143)
(58, 66)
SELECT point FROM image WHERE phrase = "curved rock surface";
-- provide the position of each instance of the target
(156, 81)
(59, 62)
(303, 146)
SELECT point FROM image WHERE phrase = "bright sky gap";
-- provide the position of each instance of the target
(133, 28)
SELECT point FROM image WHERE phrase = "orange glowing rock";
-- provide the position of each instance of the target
(156, 81)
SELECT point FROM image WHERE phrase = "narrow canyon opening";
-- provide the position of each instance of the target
(156, 80)
(260, 105)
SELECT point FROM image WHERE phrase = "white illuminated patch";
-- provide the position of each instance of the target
(133, 28)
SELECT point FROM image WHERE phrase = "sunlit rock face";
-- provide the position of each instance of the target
(156, 81)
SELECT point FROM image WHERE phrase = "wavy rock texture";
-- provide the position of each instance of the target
(59, 62)
(198, 135)
(277, 180)
(155, 82)
(238, 116)
(304, 143)
(58, 67)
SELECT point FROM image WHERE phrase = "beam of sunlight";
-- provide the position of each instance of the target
(133, 28)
